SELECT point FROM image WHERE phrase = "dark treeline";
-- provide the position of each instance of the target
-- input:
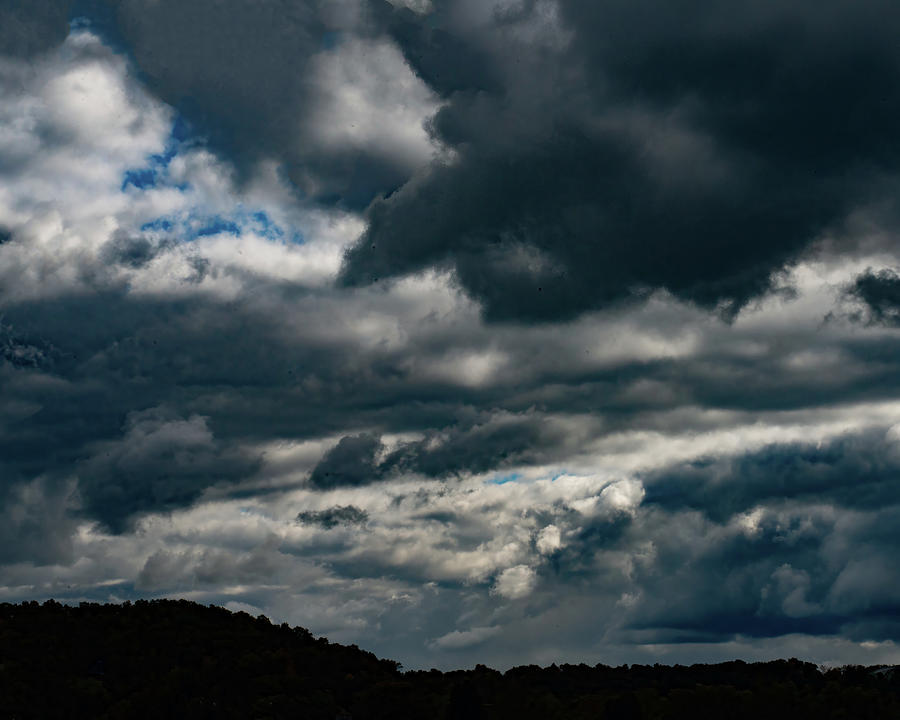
(176, 659)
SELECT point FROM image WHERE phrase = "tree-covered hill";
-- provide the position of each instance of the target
(176, 659)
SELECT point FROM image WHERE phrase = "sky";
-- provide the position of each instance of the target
(467, 331)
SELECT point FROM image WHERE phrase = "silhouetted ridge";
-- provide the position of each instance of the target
(177, 659)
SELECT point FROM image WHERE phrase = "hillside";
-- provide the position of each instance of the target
(158, 659)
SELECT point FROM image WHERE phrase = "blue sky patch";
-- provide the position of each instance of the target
(196, 223)
(193, 225)
(141, 178)
(263, 225)
(503, 479)
(162, 224)
(156, 170)
(214, 226)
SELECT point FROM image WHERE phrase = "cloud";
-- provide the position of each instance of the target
(853, 471)
(466, 447)
(350, 462)
(515, 582)
(879, 291)
(74, 122)
(549, 540)
(133, 252)
(37, 521)
(306, 87)
(369, 102)
(162, 461)
(29, 28)
(334, 516)
(463, 639)
(697, 153)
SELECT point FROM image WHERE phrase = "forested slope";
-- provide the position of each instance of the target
(160, 659)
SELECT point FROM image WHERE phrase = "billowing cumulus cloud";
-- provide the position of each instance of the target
(514, 582)
(548, 540)
(466, 332)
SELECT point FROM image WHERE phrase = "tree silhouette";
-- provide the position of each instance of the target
(162, 658)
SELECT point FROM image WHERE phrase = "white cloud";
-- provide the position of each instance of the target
(72, 123)
(623, 495)
(463, 639)
(369, 98)
(549, 540)
(75, 122)
(515, 582)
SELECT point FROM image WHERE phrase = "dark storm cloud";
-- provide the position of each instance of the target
(110, 389)
(793, 538)
(857, 471)
(334, 516)
(689, 580)
(36, 519)
(880, 291)
(183, 50)
(29, 27)
(349, 463)
(446, 60)
(100, 383)
(796, 570)
(21, 352)
(575, 563)
(162, 462)
(456, 449)
(682, 146)
(477, 449)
